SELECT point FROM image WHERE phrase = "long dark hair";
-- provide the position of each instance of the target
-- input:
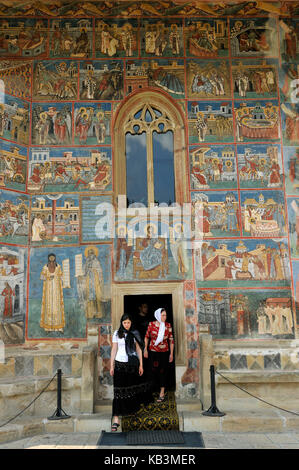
(121, 330)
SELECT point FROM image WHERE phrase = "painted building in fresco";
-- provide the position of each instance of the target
(152, 150)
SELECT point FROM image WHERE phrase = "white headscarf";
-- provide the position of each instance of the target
(161, 326)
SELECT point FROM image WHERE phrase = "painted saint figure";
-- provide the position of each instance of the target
(52, 313)
(8, 294)
(90, 285)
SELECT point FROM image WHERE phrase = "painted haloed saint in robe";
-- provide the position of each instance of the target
(178, 247)
(151, 255)
(90, 284)
(52, 314)
(8, 294)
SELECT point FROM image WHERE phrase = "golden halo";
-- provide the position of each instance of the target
(91, 248)
(153, 226)
(82, 109)
(178, 227)
(100, 114)
(2, 106)
(228, 163)
(121, 227)
(43, 115)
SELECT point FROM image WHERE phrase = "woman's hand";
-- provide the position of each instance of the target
(145, 353)
(112, 371)
(171, 358)
(140, 370)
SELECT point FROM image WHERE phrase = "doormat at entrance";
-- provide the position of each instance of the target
(115, 439)
(154, 437)
(155, 416)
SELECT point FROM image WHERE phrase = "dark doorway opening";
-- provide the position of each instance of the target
(154, 301)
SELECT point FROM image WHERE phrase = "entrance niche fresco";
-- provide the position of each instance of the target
(151, 251)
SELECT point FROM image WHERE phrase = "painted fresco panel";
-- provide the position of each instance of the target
(216, 214)
(262, 314)
(23, 37)
(257, 121)
(13, 166)
(291, 170)
(80, 285)
(164, 74)
(290, 123)
(55, 80)
(70, 169)
(14, 217)
(213, 167)
(161, 38)
(55, 219)
(263, 214)
(97, 218)
(151, 251)
(71, 38)
(206, 38)
(92, 123)
(52, 123)
(254, 37)
(293, 217)
(288, 82)
(101, 80)
(210, 121)
(116, 38)
(254, 78)
(13, 288)
(14, 119)
(289, 38)
(243, 263)
(260, 166)
(208, 79)
(16, 77)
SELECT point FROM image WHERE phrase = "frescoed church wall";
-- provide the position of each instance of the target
(230, 71)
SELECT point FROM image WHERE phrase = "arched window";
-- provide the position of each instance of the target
(149, 150)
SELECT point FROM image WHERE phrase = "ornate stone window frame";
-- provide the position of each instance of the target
(173, 117)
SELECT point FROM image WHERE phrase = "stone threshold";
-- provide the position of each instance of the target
(258, 421)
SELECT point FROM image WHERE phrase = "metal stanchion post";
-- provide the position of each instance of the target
(59, 413)
(213, 410)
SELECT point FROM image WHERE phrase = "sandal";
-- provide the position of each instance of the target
(160, 399)
(114, 427)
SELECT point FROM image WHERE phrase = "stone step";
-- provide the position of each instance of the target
(264, 420)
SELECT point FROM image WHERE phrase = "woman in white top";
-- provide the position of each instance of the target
(126, 369)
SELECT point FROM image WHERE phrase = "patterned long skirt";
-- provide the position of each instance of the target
(130, 390)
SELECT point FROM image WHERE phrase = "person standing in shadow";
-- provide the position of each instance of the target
(141, 322)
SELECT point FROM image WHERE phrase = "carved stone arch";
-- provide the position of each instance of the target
(172, 115)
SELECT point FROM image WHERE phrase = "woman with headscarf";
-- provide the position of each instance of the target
(161, 346)
(126, 369)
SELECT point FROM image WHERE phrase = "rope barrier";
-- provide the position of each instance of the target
(11, 419)
(264, 401)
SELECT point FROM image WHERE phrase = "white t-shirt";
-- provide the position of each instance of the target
(121, 354)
